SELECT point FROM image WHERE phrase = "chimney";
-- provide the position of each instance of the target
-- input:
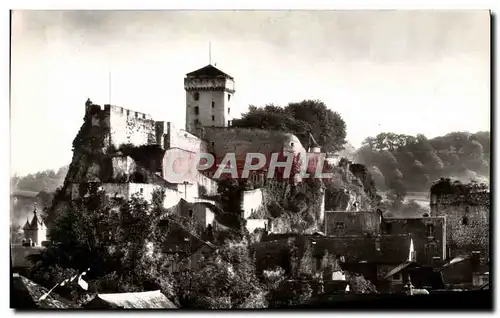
(475, 261)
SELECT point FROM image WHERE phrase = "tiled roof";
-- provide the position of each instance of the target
(209, 71)
(31, 293)
(143, 300)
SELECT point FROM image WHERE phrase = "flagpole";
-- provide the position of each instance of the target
(109, 87)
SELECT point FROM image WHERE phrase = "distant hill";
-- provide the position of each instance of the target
(48, 180)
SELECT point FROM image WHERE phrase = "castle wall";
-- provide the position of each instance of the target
(251, 201)
(467, 221)
(130, 127)
(208, 186)
(179, 138)
(242, 141)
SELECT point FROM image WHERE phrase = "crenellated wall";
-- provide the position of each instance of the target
(130, 127)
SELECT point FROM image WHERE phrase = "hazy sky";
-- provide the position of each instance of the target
(401, 71)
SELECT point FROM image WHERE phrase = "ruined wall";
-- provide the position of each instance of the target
(130, 127)
(467, 221)
(352, 224)
(251, 201)
(428, 234)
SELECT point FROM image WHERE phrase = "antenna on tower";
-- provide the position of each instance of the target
(210, 52)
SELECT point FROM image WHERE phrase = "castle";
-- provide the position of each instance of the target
(127, 152)
(35, 232)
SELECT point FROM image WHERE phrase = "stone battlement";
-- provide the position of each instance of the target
(129, 113)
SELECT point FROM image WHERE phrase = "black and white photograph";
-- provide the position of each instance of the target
(251, 159)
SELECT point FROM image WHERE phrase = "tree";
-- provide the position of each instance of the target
(118, 240)
(227, 280)
(421, 160)
(301, 119)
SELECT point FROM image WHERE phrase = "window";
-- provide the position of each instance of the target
(213, 104)
(213, 143)
(197, 110)
(339, 225)
(228, 97)
(142, 190)
(430, 230)
(143, 116)
(229, 111)
(465, 220)
(229, 123)
(136, 114)
(213, 118)
(190, 213)
(128, 112)
(196, 96)
(388, 228)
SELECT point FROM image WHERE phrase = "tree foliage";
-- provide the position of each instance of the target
(114, 239)
(302, 118)
(227, 280)
(411, 163)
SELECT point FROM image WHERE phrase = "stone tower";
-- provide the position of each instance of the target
(209, 95)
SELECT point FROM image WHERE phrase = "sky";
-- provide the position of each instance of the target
(383, 71)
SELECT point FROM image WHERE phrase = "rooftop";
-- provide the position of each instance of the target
(142, 300)
(209, 71)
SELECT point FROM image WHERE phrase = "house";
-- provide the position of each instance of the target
(142, 300)
(185, 248)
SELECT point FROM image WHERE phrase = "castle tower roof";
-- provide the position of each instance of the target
(209, 71)
(36, 222)
(27, 225)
